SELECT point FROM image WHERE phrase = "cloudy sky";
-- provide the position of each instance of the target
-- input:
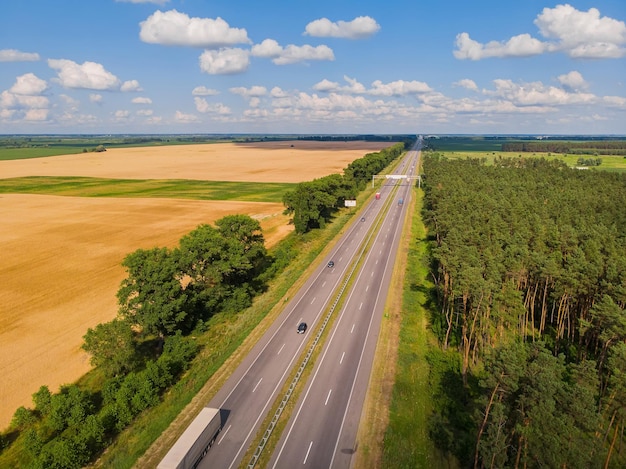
(313, 66)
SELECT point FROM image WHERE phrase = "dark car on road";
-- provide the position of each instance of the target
(331, 264)
(302, 328)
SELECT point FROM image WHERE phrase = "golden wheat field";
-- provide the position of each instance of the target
(61, 256)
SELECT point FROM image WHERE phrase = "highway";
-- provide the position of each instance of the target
(322, 431)
(248, 394)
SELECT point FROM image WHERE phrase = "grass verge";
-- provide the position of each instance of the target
(406, 442)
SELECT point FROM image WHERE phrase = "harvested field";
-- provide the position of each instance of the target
(61, 268)
(259, 162)
(61, 256)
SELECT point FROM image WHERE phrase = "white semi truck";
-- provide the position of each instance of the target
(194, 443)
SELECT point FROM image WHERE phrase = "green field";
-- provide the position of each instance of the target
(460, 144)
(158, 188)
(39, 146)
(609, 162)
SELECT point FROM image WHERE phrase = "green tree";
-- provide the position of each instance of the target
(208, 260)
(33, 443)
(23, 418)
(43, 401)
(152, 295)
(61, 453)
(248, 249)
(70, 407)
(112, 347)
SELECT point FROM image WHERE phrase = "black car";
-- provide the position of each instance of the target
(302, 328)
(331, 264)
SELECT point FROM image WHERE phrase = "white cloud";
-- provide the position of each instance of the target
(359, 28)
(29, 84)
(7, 100)
(398, 88)
(131, 85)
(31, 102)
(583, 34)
(13, 55)
(378, 88)
(577, 33)
(172, 28)
(145, 112)
(224, 61)
(467, 84)
(253, 91)
(204, 91)
(140, 100)
(290, 54)
(572, 81)
(89, 75)
(256, 114)
(268, 48)
(36, 115)
(154, 120)
(23, 101)
(615, 101)
(537, 93)
(121, 114)
(206, 108)
(353, 86)
(69, 101)
(278, 92)
(293, 54)
(95, 98)
(326, 85)
(6, 114)
(522, 45)
(185, 118)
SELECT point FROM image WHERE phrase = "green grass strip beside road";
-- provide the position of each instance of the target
(157, 188)
(406, 441)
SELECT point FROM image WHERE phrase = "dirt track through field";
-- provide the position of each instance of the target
(61, 256)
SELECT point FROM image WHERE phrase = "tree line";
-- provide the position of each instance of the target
(605, 147)
(313, 203)
(528, 260)
(143, 351)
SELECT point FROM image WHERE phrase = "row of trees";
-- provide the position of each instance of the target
(67, 429)
(313, 203)
(606, 147)
(141, 353)
(529, 260)
(589, 161)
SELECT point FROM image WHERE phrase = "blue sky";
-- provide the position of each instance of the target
(304, 66)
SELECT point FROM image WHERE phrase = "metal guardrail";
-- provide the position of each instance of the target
(294, 382)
